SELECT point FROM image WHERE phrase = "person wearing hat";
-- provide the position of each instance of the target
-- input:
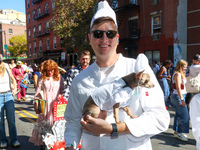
(147, 104)
(194, 70)
(18, 73)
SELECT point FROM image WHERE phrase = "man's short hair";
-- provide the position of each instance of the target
(85, 52)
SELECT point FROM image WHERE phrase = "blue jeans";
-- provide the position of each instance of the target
(181, 118)
(165, 87)
(7, 104)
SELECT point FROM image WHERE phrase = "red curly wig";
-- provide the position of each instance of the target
(50, 64)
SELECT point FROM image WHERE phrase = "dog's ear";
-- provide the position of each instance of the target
(138, 75)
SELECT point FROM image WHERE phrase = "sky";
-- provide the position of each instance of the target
(18, 5)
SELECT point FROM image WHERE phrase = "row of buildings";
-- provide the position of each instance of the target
(161, 29)
(12, 23)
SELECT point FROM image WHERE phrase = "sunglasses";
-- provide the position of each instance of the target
(99, 34)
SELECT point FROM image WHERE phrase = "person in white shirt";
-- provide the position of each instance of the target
(148, 104)
(194, 118)
(195, 67)
(7, 104)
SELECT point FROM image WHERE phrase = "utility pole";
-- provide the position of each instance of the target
(5, 41)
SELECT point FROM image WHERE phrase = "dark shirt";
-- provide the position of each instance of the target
(72, 73)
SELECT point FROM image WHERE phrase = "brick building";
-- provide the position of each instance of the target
(6, 32)
(193, 30)
(156, 28)
(42, 43)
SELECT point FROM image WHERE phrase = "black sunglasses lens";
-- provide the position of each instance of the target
(98, 34)
(111, 34)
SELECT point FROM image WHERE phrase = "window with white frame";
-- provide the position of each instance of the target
(40, 45)
(29, 48)
(33, 12)
(34, 31)
(156, 24)
(47, 43)
(27, 3)
(34, 46)
(39, 28)
(46, 8)
(39, 11)
(10, 31)
(29, 32)
(54, 42)
(28, 17)
(47, 26)
(153, 55)
(53, 5)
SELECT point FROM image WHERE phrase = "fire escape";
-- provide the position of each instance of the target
(124, 11)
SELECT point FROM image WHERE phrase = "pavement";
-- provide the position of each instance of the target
(163, 141)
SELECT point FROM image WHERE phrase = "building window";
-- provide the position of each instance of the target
(40, 45)
(27, 3)
(33, 14)
(39, 11)
(29, 33)
(54, 42)
(133, 28)
(156, 24)
(153, 55)
(28, 17)
(47, 43)
(39, 28)
(29, 48)
(155, 2)
(10, 31)
(53, 5)
(34, 46)
(46, 8)
(47, 26)
(34, 31)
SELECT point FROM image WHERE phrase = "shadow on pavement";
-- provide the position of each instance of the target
(24, 144)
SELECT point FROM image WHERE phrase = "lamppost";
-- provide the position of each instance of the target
(5, 40)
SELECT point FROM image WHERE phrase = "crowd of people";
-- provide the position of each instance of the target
(79, 82)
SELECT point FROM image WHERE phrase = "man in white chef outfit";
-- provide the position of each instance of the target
(147, 104)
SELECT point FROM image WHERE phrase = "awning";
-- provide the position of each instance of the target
(27, 59)
(130, 46)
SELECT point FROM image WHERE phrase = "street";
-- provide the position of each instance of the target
(25, 118)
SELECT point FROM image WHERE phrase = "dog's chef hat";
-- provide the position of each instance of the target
(104, 10)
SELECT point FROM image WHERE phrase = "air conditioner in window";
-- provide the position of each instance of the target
(133, 2)
(156, 37)
(155, 2)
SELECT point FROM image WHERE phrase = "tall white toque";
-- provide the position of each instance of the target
(104, 10)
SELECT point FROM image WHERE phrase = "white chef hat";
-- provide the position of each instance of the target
(104, 10)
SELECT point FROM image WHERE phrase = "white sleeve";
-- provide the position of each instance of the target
(155, 118)
(73, 115)
(195, 117)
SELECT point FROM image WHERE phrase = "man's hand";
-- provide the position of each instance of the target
(96, 125)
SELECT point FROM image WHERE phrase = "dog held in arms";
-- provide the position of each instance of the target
(132, 80)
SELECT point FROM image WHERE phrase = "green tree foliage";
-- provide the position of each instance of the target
(18, 45)
(71, 22)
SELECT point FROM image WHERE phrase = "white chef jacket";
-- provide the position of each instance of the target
(195, 118)
(148, 104)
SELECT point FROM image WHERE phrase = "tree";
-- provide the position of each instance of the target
(18, 45)
(72, 22)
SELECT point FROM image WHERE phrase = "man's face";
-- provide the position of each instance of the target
(104, 47)
(84, 60)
